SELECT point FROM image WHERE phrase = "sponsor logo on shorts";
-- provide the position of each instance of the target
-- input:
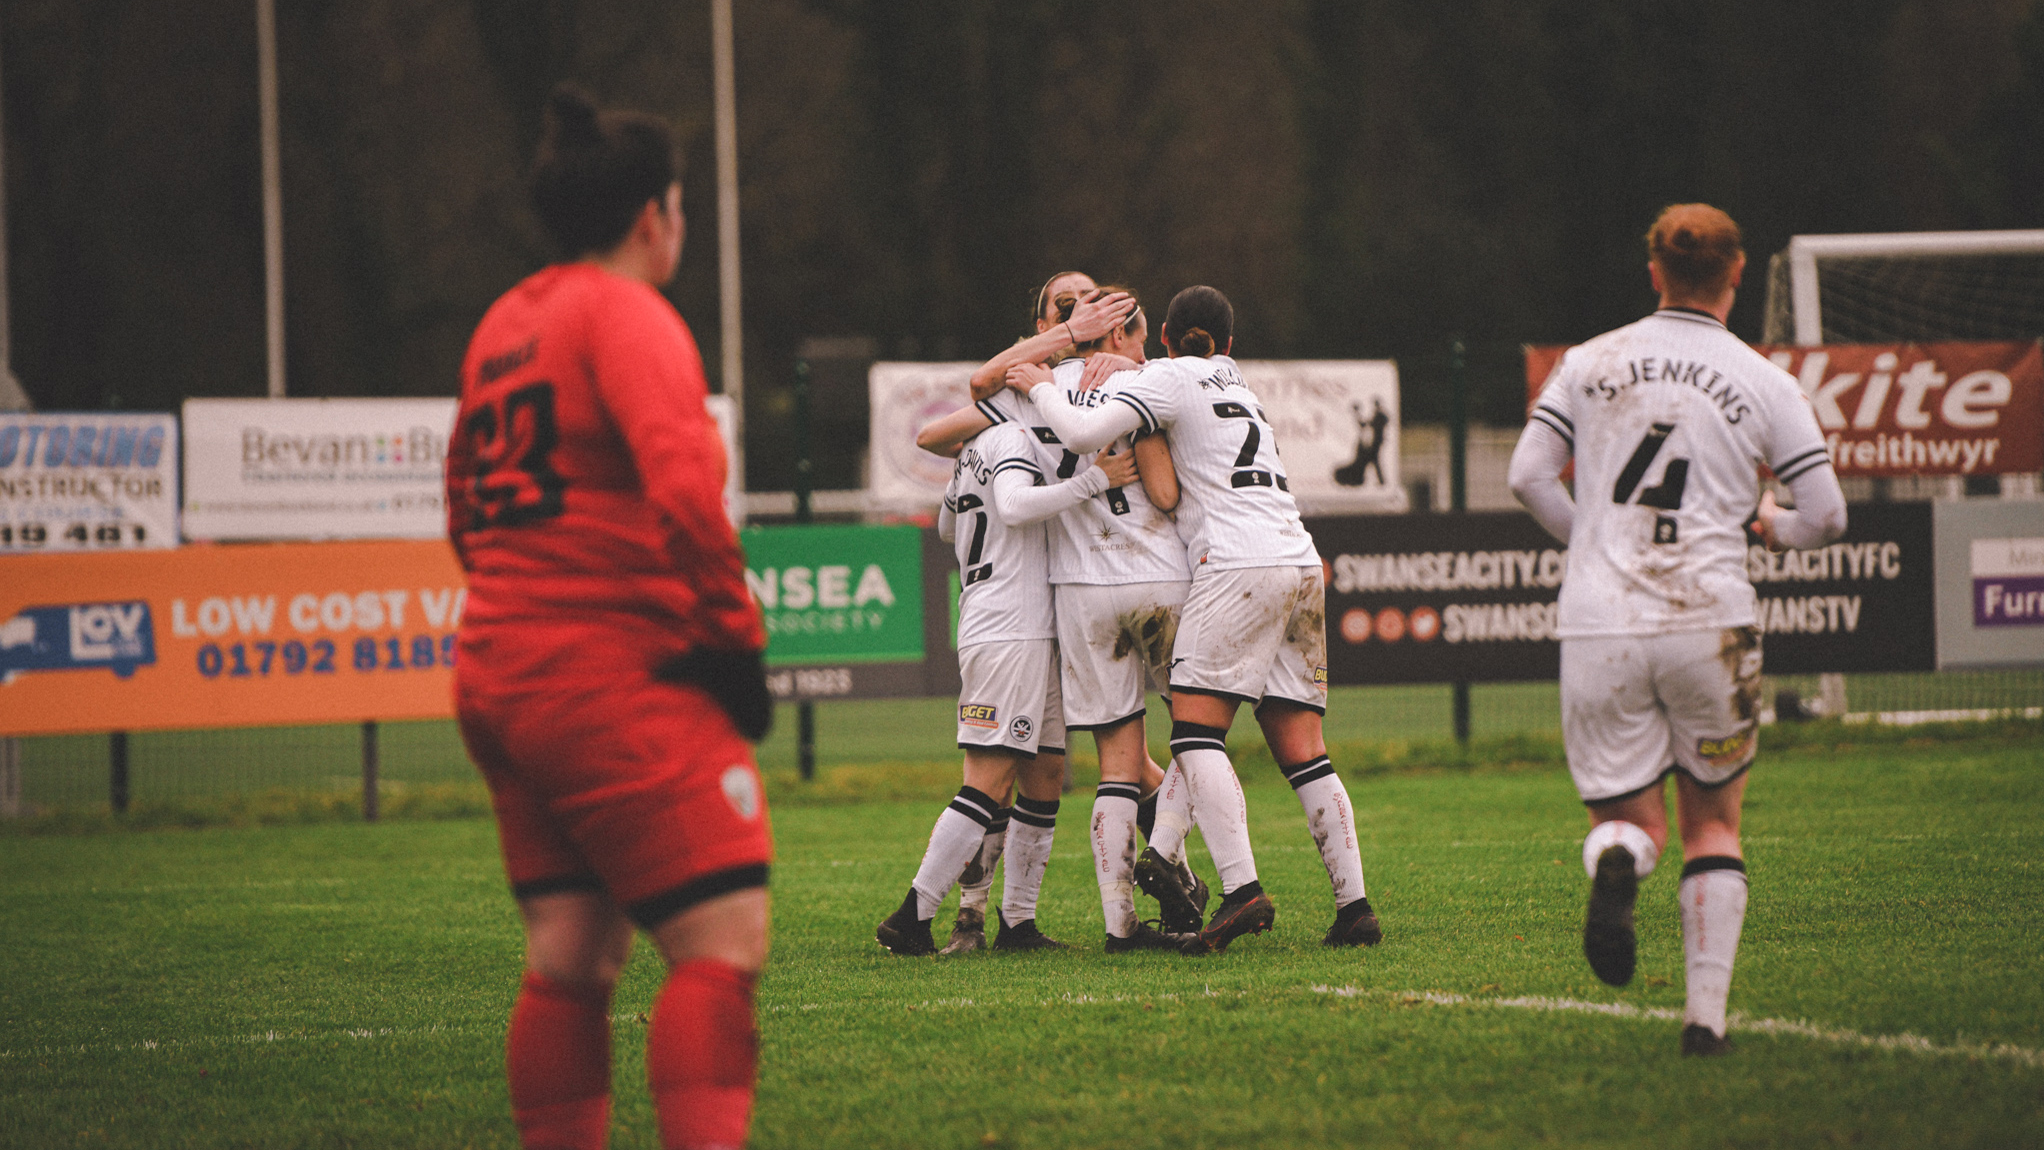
(1725, 752)
(1020, 729)
(1320, 676)
(741, 789)
(979, 715)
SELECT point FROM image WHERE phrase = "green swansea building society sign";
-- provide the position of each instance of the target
(838, 594)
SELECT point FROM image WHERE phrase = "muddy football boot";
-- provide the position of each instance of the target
(1147, 936)
(1240, 913)
(1354, 925)
(968, 933)
(1608, 940)
(904, 934)
(1699, 1042)
(1024, 936)
(1160, 880)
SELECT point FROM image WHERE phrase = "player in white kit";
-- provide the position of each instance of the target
(1253, 628)
(1118, 569)
(1010, 718)
(1060, 319)
(1668, 421)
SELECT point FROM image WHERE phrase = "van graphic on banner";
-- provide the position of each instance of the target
(113, 636)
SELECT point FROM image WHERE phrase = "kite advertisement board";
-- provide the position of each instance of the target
(1950, 408)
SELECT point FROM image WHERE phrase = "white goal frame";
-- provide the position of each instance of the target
(1805, 251)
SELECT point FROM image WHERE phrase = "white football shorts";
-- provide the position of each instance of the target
(1009, 697)
(1634, 707)
(1114, 643)
(1254, 633)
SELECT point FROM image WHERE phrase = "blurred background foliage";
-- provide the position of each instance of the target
(1363, 177)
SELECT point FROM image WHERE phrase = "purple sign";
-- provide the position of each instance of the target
(2008, 601)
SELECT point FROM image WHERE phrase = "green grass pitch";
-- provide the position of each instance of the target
(340, 985)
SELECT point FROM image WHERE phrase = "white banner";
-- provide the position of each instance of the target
(725, 412)
(316, 468)
(1336, 424)
(77, 481)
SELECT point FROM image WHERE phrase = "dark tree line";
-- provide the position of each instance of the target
(1363, 177)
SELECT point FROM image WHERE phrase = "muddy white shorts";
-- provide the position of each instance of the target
(1253, 633)
(1634, 707)
(1114, 643)
(1009, 697)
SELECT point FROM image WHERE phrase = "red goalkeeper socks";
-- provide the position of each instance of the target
(700, 1055)
(558, 1059)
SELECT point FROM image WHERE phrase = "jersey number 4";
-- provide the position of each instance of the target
(512, 441)
(1667, 495)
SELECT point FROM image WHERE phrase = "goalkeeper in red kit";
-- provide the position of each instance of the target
(609, 675)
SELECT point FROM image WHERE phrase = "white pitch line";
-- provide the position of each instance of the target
(1906, 1043)
(1903, 1043)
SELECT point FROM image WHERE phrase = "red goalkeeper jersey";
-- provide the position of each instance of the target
(585, 479)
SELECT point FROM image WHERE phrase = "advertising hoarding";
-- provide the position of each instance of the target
(1444, 598)
(1336, 423)
(87, 481)
(228, 636)
(315, 468)
(1990, 583)
(1947, 408)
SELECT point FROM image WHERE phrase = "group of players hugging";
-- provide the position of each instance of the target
(1120, 525)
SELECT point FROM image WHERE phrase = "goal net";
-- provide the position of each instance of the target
(1900, 286)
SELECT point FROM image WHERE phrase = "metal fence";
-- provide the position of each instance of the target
(89, 772)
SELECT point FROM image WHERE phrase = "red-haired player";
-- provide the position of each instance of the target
(609, 672)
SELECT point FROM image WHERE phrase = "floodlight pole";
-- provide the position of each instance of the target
(273, 194)
(731, 331)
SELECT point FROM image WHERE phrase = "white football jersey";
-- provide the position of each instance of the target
(1670, 419)
(1236, 507)
(1003, 571)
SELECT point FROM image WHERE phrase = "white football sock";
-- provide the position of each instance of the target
(1713, 909)
(1029, 838)
(953, 841)
(1174, 815)
(1217, 801)
(1114, 855)
(973, 895)
(1332, 822)
(1619, 833)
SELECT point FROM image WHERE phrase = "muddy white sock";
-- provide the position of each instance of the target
(1217, 801)
(978, 879)
(1713, 909)
(1174, 815)
(1114, 855)
(953, 842)
(1029, 838)
(1619, 833)
(1332, 823)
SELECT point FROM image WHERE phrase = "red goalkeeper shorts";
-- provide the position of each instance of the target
(605, 777)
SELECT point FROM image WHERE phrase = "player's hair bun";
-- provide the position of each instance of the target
(1200, 321)
(572, 115)
(597, 169)
(1696, 247)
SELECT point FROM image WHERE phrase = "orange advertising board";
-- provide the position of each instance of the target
(1949, 408)
(225, 636)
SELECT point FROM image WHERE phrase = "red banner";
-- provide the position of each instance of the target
(1948, 408)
